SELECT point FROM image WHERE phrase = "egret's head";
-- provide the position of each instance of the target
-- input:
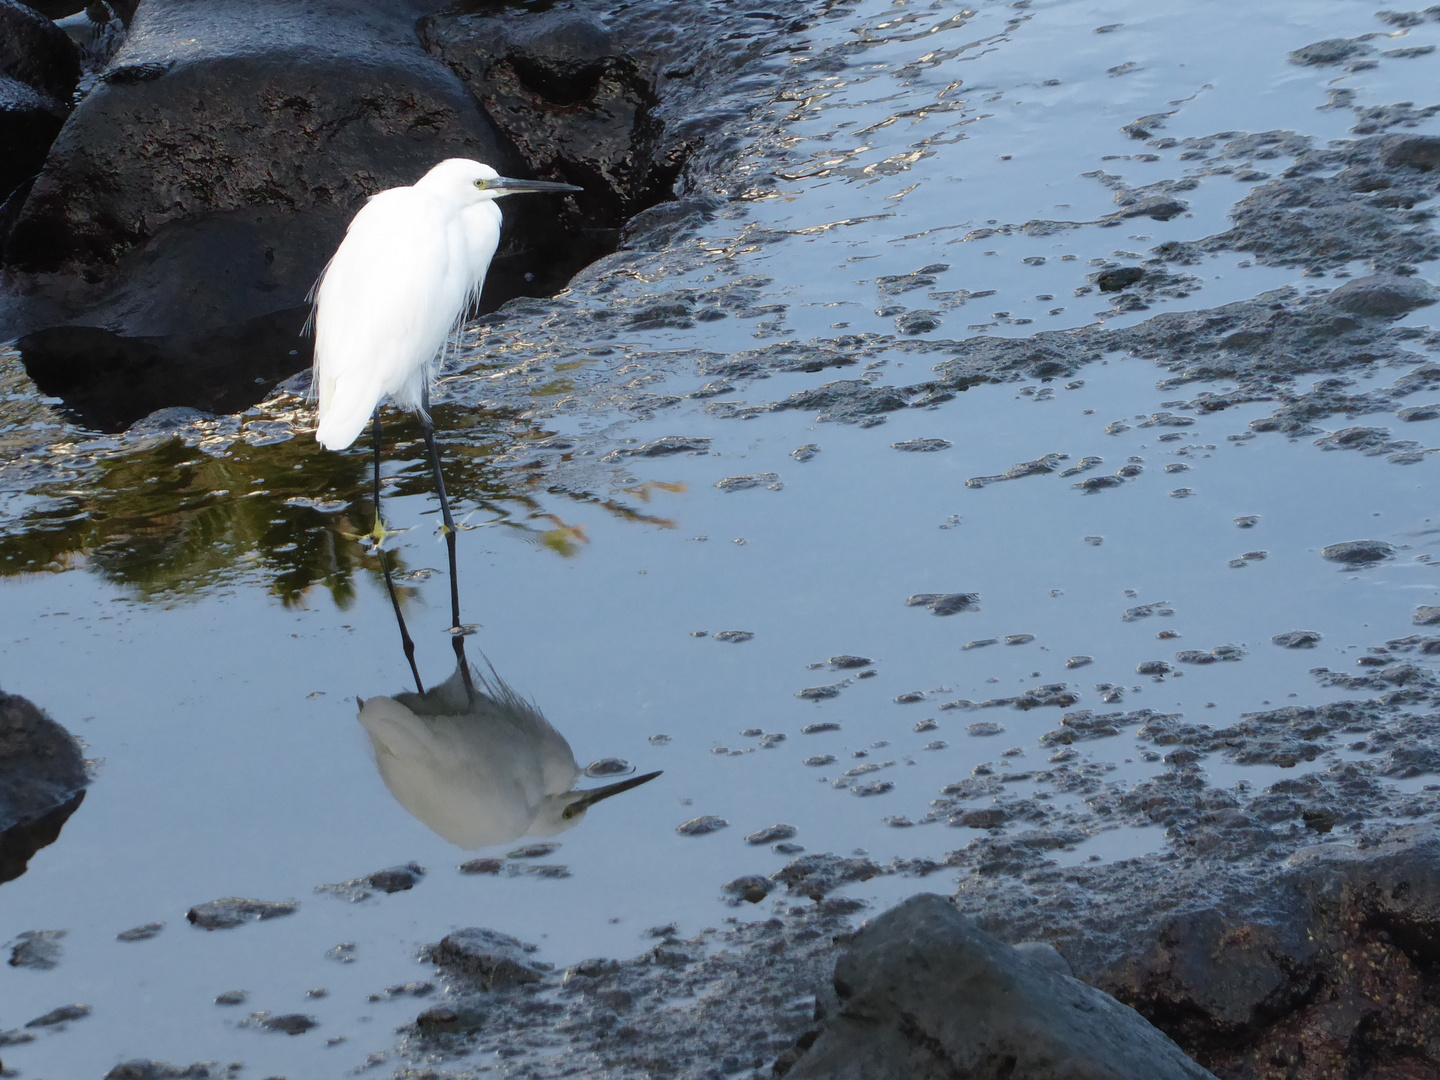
(561, 812)
(467, 181)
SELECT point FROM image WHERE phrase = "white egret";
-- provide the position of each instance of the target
(479, 764)
(409, 270)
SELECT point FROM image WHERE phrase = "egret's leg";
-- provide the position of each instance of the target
(405, 640)
(457, 635)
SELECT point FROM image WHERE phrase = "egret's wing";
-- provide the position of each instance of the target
(384, 307)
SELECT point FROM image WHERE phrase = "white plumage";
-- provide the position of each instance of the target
(395, 291)
(478, 763)
(409, 269)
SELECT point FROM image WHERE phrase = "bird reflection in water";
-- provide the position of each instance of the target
(478, 763)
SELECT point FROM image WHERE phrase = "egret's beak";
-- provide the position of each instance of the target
(586, 799)
(505, 185)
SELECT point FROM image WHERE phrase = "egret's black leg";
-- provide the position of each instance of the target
(458, 635)
(405, 640)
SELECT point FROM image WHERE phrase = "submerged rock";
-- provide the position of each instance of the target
(232, 911)
(923, 992)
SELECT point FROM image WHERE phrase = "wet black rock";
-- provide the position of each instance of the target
(1330, 51)
(1419, 412)
(922, 992)
(232, 911)
(670, 444)
(751, 888)
(816, 875)
(288, 1023)
(1426, 615)
(36, 52)
(392, 879)
(567, 91)
(492, 960)
(1297, 639)
(1383, 296)
(42, 782)
(1419, 152)
(1333, 967)
(1116, 280)
(63, 1015)
(702, 826)
(141, 933)
(922, 446)
(944, 603)
(144, 1069)
(772, 834)
(1358, 552)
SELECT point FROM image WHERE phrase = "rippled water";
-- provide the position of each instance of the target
(200, 617)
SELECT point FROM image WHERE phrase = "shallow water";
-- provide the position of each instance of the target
(212, 670)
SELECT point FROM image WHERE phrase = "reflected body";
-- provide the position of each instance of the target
(479, 764)
(411, 265)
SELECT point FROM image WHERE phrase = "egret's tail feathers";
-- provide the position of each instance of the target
(344, 412)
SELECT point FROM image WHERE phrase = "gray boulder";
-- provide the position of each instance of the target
(42, 782)
(923, 992)
(1383, 296)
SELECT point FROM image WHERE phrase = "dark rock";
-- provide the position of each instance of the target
(1426, 615)
(37, 949)
(36, 52)
(1335, 967)
(1359, 552)
(772, 834)
(944, 603)
(141, 933)
(1419, 412)
(29, 122)
(670, 444)
(702, 826)
(923, 992)
(232, 911)
(922, 446)
(816, 875)
(492, 960)
(1329, 51)
(570, 96)
(289, 1023)
(143, 1069)
(63, 1015)
(751, 888)
(1122, 278)
(1421, 152)
(1383, 296)
(42, 777)
(1297, 639)
(393, 879)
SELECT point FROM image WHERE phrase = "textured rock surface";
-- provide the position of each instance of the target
(921, 991)
(42, 781)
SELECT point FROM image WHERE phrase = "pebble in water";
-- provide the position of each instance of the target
(734, 637)
(1297, 639)
(702, 826)
(772, 834)
(845, 662)
(944, 603)
(816, 729)
(818, 693)
(1358, 552)
(141, 933)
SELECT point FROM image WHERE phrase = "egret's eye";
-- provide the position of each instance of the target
(482, 184)
(569, 812)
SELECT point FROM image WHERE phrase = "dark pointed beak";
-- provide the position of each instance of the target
(508, 186)
(589, 798)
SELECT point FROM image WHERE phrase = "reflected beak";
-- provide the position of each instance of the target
(589, 798)
(508, 186)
